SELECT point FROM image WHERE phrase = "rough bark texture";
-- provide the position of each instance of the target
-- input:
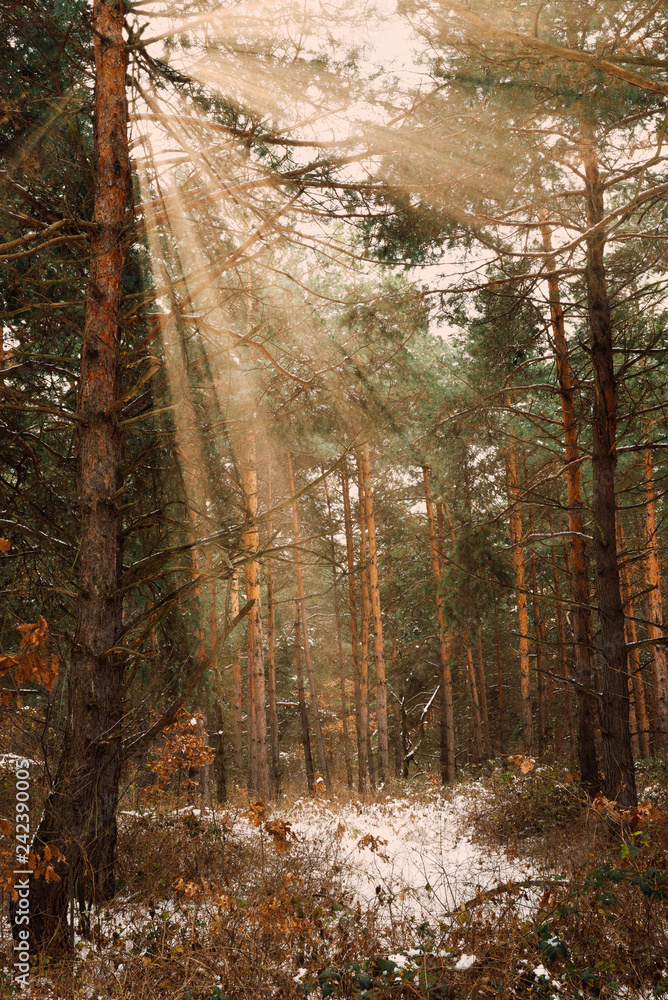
(520, 596)
(258, 764)
(377, 621)
(303, 712)
(482, 694)
(315, 712)
(563, 648)
(364, 644)
(339, 646)
(444, 643)
(237, 693)
(352, 597)
(638, 714)
(539, 642)
(577, 556)
(620, 782)
(271, 658)
(499, 681)
(655, 611)
(80, 814)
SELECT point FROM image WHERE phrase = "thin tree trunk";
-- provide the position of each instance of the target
(237, 693)
(271, 656)
(396, 714)
(578, 575)
(520, 596)
(374, 590)
(482, 694)
(636, 686)
(563, 648)
(303, 713)
(315, 713)
(475, 703)
(80, 813)
(258, 776)
(471, 673)
(219, 734)
(364, 645)
(447, 746)
(361, 724)
(499, 680)
(219, 741)
(620, 783)
(339, 644)
(539, 644)
(655, 610)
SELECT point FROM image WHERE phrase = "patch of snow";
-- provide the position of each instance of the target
(465, 962)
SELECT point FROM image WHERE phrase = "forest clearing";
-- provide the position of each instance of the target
(333, 484)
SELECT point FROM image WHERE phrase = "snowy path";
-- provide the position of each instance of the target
(414, 858)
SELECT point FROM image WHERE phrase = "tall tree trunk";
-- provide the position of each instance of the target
(315, 713)
(475, 703)
(218, 717)
(258, 772)
(271, 655)
(520, 595)
(303, 713)
(237, 693)
(620, 782)
(470, 665)
(482, 694)
(80, 813)
(499, 680)
(339, 645)
(578, 576)
(654, 610)
(446, 703)
(374, 591)
(636, 687)
(396, 713)
(364, 645)
(563, 648)
(539, 639)
(219, 741)
(361, 725)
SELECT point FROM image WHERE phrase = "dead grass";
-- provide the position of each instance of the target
(217, 907)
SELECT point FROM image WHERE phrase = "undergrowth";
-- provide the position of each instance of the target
(234, 905)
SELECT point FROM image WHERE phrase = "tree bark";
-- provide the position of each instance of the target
(339, 645)
(271, 656)
(563, 648)
(364, 644)
(520, 596)
(360, 724)
(499, 681)
(237, 693)
(636, 687)
(482, 694)
(315, 713)
(620, 783)
(374, 591)
(578, 575)
(258, 771)
(655, 610)
(80, 813)
(303, 713)
(539, 639)
(447, 742)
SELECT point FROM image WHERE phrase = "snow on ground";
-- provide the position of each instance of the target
(416, 858)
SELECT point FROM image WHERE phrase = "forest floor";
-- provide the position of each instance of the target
(507, 886)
